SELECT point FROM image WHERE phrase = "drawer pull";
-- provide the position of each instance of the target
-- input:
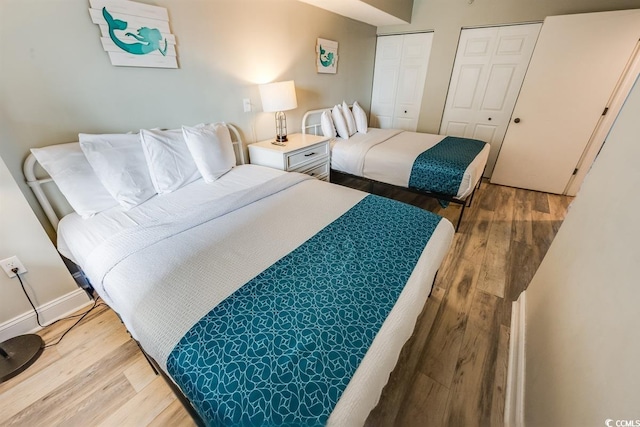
(313, 153)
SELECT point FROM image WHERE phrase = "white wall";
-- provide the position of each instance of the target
(57, 81)
(446, 18)
(583, 304)
(46, 279)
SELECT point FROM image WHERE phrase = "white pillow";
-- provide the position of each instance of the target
(170, 163)
(340, 122)
(119, 162)
(326, 123)
(351, 123)
(75, 178)
(211, 149)
(360, 117)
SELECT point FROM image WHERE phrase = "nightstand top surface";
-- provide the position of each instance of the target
(295, 142)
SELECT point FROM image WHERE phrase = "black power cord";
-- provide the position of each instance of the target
(81, 316)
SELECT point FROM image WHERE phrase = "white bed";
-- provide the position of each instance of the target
(385, 155)
(388, 155)
(164, 264)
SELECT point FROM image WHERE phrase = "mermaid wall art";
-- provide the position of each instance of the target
(135, 34)
(327, 56)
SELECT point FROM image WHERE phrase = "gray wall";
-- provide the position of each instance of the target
(582, 311)
(399, 8)
(446, 18)
(57, 81)
(46, 279)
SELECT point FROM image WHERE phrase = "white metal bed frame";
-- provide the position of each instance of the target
(31, 165)
(29, 169)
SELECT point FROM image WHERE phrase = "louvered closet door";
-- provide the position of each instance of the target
(398, 81)
(487, 75)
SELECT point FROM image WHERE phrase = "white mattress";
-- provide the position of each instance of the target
(197, 268)
(387, 155)
(77, 237)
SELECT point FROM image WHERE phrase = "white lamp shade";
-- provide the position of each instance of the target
(279, 96)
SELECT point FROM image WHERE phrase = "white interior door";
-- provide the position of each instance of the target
(385, 80)
(416, 49)
(487, 76)
(398, 80)
(573, 72)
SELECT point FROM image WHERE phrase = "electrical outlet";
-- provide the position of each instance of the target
(246, 105)
(11, 263)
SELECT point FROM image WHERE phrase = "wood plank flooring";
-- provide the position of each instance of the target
(452, 372)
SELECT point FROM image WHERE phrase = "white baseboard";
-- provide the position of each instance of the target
(514, 400)
(49, 312)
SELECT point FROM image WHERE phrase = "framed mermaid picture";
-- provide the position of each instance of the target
(135, 34)
(327, 56)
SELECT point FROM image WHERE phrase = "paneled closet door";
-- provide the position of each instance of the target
(487, 75)
(398, 80)
(574, 71)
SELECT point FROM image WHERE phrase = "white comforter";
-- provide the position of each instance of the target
(163, 276)
(387, 155)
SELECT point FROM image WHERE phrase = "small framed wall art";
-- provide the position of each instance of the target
(327, 56)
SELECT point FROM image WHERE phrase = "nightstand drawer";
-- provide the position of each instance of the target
(308, 155)
(317, 170)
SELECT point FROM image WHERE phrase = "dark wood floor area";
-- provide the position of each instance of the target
(452, 372)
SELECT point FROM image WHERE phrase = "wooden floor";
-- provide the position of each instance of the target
(452, 372)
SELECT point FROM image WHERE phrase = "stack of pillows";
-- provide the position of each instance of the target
(104, 171)
(343, 122)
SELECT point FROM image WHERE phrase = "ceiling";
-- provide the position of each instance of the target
(358, 10)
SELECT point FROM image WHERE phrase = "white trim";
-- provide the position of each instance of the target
(49, 312)
(514, 400)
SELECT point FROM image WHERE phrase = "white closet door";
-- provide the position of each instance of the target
(398, 80)
(416, 49)
(385, 80)
(573, 72)
(487, 76)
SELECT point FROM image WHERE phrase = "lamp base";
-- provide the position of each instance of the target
(18, 353)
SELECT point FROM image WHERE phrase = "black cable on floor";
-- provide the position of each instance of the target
(15, 270)
(82, 316)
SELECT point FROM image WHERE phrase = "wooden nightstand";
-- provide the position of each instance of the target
(303, 153)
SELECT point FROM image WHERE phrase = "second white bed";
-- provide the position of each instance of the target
(387, 155)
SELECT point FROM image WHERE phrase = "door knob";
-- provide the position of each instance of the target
(516, 120)
(489, 118)
(405, 111)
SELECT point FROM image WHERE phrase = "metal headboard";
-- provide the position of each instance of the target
(314, 117)
(313, 128)
(36, 184)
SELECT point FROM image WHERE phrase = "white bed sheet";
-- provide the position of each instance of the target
(77, 237)
(180, 270)
(387, 155)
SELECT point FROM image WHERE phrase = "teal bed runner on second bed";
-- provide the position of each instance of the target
(440, 169)
(281, 350)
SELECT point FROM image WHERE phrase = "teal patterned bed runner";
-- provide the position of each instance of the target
(281, 350)
(440, 169)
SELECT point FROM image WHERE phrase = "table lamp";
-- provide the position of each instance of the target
(279, 97)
